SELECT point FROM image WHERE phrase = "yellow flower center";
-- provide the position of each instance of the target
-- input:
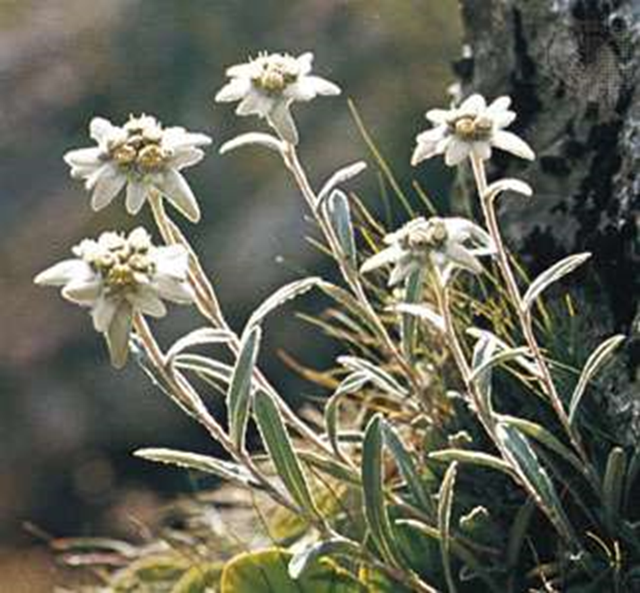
(142, 150)
(472, 128)
(277, 72)
(431, 235)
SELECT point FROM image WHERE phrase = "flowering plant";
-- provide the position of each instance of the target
(424, 474)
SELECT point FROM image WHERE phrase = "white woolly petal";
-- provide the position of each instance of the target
(136, 196)
(388, 255)
(118, 334)
(509, 142)
(457, 150)
(83, 292)
(401, 272)
(65, 271)
(185, 157)
(175, 187)
(463, 258)
(305, 62)
(503, 119)
(308, 87)
(246, 70)
(102, 313)
(177, 138)
(439, 116)
(282, 122)
(171, 260)
(255, 104)
(147, 302)
(84, 157)
(497, 105)
(101, 129)
(108, 184)
(234, 90)
(429, 144)
(173, 290)
(473, 105)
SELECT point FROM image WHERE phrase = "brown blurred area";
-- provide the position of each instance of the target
(68, 422)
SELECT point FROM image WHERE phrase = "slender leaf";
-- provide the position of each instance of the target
(198, 337)
(375, 509)
(281, 296)
(253, 138)
(424, 312)
(549, 440)
(551, 275)
(407, 467)
(339, 215)
(339, 177)
(472, 458)
(512, 185)
(445, 505)
(240, 389)
(412, 295)
(278, 444)
(594, 363)
(194, 461)
(377, 376)
(207, 368)
(613, 485)
(531, 474)
(330, 466)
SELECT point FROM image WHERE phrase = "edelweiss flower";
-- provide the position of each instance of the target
(141, 155)
(117, 276)
(446, 243)
(269, 84)
(473, 128)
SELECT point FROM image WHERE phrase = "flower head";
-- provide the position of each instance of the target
(446, 243)
(117, 276)
(471, 129)
(269, 84)
(142, 156)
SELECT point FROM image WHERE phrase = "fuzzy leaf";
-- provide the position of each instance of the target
(375, 509)
(339, 177)
(424, 312)
(239, 397)
(330, 466)
(206, 368)
(412, 295)
(473, 458)
(551, 275)
(512, 185)
(253, 138)
(376, 375)
(533, 476)
(339, 215)
(198, 337)
(407, 467)
(594, 363)
(613, 485)
(195, 461)
(445, 504)
(278, 444)
(281, 296)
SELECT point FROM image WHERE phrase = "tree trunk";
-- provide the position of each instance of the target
(571, 69)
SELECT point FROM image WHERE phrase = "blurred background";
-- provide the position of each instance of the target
(68, 422)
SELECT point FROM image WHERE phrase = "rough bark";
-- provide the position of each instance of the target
(572, 68)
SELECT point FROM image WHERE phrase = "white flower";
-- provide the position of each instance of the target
(446, 243)
(269, 84)
(473, 128)
(117, 276)
(141, 156)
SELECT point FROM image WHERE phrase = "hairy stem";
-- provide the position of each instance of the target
(208, 305)
(350, 275)
(189, 399)
(491, 220)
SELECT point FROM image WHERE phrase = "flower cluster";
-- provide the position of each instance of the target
(445, 243)
(269, 84)
(116, 276)
(144, 157)
(472, 129)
